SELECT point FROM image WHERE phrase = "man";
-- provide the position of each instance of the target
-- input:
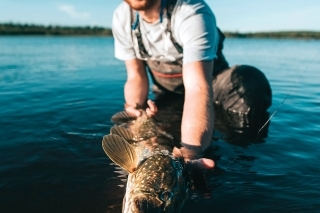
(178, 43)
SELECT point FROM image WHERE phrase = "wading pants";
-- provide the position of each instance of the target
(243, 90)
(239, 90)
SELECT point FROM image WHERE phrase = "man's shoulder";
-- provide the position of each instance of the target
(191, 6)
(123, 7)
(121, 16)
(123, 10)
(187, 8)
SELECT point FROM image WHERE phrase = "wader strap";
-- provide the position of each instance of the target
(137, 33)
(170, 7)
(170, 4)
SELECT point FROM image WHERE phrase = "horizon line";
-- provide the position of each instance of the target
(107, 27)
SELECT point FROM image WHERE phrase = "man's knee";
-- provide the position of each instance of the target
(242, 89)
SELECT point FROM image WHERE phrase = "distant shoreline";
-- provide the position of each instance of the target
(276, 35)
(11, 29)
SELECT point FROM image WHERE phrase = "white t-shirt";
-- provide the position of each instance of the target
(193, 26)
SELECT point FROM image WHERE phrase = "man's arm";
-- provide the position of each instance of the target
(136, 86)
(198, 120)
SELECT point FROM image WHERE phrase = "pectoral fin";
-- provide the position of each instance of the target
(120, 152)
(122, 132)
(122, 117)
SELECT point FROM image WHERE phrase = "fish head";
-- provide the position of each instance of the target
(158, 185)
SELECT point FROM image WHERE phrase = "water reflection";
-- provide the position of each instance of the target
(66, 172)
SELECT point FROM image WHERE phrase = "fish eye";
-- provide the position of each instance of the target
(165, 196)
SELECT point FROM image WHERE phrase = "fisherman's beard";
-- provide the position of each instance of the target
(141, 5)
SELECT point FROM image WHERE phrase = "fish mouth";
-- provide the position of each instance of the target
(156, 187)
(151, 203)
(142, 204)
(146, 206)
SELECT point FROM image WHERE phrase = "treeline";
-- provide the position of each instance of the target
(277, 35)
(32, 29)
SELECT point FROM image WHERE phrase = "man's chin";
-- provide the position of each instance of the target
(141, 5)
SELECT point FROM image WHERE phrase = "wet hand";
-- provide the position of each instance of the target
(151, 110)
(201, 164)
(133, 110)
(192, 158)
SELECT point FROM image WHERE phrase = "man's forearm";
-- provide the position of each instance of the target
(136, 86)
(198, 120)
(135, 93)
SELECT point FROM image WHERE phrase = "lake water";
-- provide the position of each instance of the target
(57, 96)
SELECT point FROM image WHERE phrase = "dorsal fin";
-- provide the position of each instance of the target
(122, 132)
(122, 117)
(120, 152)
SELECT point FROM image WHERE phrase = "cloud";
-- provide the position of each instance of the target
(73, 13)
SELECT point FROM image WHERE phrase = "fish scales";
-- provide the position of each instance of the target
(156, 181)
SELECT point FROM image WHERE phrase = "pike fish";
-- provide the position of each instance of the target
(156, 180)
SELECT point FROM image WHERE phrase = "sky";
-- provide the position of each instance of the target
(231, 15)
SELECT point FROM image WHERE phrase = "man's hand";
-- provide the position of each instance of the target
(151, 110)
(192, 158)
(202, 163)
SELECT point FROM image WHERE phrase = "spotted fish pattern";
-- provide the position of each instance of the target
(156, 180)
